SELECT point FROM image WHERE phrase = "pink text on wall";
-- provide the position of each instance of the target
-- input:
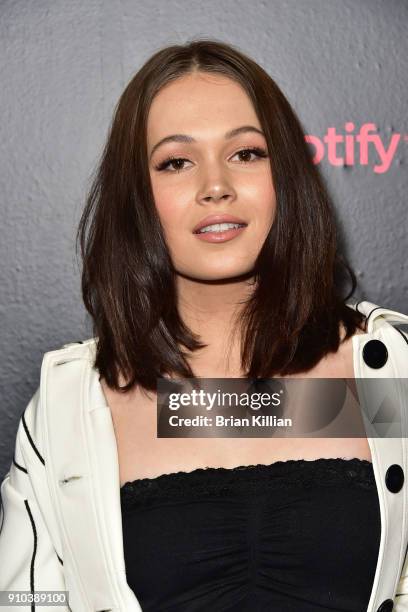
(364, 147)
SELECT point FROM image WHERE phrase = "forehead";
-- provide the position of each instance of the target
(197, 102)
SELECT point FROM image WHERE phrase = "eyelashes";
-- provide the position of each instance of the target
(164, 165)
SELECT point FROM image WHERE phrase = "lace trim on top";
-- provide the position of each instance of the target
(248, 479)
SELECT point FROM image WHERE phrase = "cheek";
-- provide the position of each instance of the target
(168, 205)
(262, 201)
(268, 191)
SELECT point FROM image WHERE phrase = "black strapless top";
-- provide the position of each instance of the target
(292, 536)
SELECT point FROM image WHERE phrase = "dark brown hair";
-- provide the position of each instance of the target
(128, 282)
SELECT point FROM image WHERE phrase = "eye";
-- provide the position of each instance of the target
(258, 151)
(163, 166)
(176, 162)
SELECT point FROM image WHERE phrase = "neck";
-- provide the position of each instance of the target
(210, 309)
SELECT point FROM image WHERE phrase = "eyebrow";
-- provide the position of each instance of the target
(185, 138)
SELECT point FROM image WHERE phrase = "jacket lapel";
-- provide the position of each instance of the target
(83, 473)
(383, 391)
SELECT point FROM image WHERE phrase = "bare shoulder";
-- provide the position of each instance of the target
(346, 355)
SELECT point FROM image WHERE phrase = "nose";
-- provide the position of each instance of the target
(215, 188)
(215, 195)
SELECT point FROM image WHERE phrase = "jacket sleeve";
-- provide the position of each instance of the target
(29, 536)
(401, 595)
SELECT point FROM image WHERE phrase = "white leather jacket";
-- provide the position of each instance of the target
(60, 518)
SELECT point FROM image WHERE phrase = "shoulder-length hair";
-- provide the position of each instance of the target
(293, 316)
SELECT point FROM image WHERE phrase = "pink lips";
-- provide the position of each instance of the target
(211, 219)
(221, 236)
(224, 236)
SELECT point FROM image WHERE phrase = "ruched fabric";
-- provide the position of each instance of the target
(291, 536)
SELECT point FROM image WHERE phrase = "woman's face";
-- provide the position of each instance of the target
(214, 174)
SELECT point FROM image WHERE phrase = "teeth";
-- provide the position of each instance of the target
(220, 227)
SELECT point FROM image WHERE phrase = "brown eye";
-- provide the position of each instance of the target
(246, 153)
(175, 162)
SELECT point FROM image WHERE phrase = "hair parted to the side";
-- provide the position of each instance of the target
(128, 282)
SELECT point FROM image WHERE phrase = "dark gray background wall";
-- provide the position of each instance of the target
(63, 67)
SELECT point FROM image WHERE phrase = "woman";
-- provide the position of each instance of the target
(203, 137)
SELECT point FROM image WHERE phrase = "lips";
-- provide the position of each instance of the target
(211, 219)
